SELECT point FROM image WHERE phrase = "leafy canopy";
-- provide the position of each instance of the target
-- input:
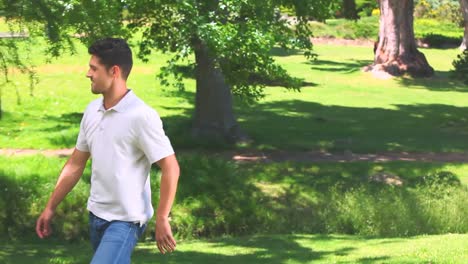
(239, 34)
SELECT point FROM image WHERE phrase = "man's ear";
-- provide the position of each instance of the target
(116, 72)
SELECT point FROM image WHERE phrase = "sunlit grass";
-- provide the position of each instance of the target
(300, 248)
(342, 108)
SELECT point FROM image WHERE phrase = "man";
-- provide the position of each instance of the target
(124, 137)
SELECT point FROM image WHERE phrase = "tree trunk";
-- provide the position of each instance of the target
(396, 52)
(349, 10)
(214, 117)
(464, 9)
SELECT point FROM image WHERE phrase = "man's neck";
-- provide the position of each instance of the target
(114, 96)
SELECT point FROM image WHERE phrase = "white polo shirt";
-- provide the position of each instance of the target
(124, 141)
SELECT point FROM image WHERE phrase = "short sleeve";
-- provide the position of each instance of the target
(81, 142)
(151, 137)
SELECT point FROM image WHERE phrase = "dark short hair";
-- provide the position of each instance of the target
(113, 51)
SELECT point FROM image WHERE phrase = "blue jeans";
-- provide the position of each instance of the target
(114, 241)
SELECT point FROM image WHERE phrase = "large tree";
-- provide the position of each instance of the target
(230, 42)
(396, 52)
(464, 9)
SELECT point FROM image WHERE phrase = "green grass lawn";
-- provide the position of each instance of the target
(289, 249)
(348, 109)
(343, 109)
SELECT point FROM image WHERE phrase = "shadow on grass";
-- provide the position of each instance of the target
(333, 66)
(371, 260)
(431, 127)
(63, 133)
(254, 250)
(441, 82)
(45, 252)
(269, 249)
(419, 128)
(281, 52)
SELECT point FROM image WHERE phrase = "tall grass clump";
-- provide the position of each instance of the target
(397, 211)
(27, 183)
(219, 197)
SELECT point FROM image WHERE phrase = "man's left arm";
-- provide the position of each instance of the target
(169, 177)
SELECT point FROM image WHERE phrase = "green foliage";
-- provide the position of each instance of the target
(366, 28)
(445, 10)
(425, 26)
(238, 35)
(441, 179)
(26, 187)
(218, 197)
(437, 32)
(460, 65)
(365, 7)
(394, 211)
(440, 41)
(14, 53)
(61, 21)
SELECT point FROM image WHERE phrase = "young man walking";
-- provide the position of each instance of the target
(124, 137)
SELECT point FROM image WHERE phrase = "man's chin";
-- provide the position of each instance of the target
(95, 91)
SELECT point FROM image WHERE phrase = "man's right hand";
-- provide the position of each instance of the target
(43, 228)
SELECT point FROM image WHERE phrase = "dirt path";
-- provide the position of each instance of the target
(278, 156)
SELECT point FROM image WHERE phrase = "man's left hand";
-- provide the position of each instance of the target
(164, 239)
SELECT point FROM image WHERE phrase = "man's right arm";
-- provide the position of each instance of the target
(70, 175)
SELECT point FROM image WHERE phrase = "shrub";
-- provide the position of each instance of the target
(424, 27)
(366, 7)
(395, 211)
(364, 29)
(440, 41)
(446, 10)
(218, 197)
(461, 67)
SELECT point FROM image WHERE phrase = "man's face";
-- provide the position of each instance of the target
(101, 78)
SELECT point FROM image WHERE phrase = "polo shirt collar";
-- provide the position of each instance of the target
(122, 105)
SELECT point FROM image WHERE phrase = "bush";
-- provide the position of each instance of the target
(365, 29)
(395, 211)
(440, 41)
(461, 67)
(218, 197)
(366, 7)
(424, 27)
(444, 11)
